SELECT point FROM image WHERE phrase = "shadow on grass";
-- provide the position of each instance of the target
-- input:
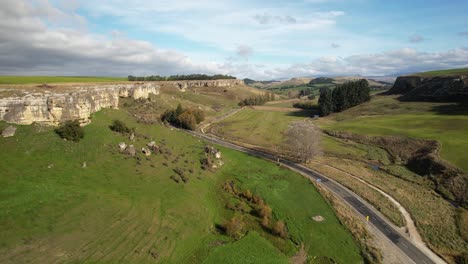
(451, 109)
(304, 113)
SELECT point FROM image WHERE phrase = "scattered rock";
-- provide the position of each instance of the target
(122, 146)
(9, 131)
(131, 150)
(146, 151)
(217, 164)
(318, 218)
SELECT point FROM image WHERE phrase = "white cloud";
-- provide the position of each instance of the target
(415, 38)
(40, 38)
(244, 51)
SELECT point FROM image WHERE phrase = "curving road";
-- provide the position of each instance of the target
(363, 208)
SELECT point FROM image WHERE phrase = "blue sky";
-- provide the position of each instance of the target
(255, 39)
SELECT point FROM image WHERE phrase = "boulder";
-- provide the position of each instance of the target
(122, 146)
(9, 131)
(151, 144)
(131, 150)
(132, 136)
(146, 151)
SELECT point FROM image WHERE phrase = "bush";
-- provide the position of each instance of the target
(234, 227)
(279, 228)
(70, 130)
(120, 127)
(187, 120)
(184, 118)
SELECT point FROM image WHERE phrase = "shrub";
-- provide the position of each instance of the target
(120, 127)
(199, 115)
(206, 163)
(70, 130)
(187, 120)
(184, 118)
(234, 227)
(264, 211)
(279, 228)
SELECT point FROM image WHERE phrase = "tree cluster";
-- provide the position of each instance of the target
(70, 130)
(343, 97)
(184, 118)
(257, 100)
(305, 92)
(132, 78)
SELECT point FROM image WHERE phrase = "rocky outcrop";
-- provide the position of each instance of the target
(9, 131)
(439, 89)
(184, 85)
(76, 104)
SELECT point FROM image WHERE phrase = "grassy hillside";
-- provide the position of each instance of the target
(259, 127)
(121, 209)
(384, 115)
(444, 122)
(57, 79)
(442, 72)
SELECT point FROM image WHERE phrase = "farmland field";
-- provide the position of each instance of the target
(259, 127)
(57, 79)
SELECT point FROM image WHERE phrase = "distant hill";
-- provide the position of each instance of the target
(295, 85)
(443, 86)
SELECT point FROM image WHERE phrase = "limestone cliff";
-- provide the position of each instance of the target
(78, 102)
(183, 85)
(441, 88)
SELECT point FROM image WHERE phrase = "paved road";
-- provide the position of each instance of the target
(352, 199)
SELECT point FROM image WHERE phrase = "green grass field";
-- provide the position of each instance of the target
(57, 79)
(442, 72)
(386, 116)
(263, 128)
(121, 209)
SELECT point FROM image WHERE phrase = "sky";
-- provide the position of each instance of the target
(262, 40)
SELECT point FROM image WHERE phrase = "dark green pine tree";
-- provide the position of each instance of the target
(325, 102)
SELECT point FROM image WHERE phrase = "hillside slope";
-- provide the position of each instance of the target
(436, 86)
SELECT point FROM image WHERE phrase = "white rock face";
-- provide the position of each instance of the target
(53, 108)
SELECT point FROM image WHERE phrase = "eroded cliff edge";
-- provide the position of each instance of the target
(26, 104)
(435, 89)
(73, 103)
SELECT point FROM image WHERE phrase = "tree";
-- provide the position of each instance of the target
(303, 140)
(179, 110)
(325, 102)
(187, 120)
(70, 130)
(340, 98)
